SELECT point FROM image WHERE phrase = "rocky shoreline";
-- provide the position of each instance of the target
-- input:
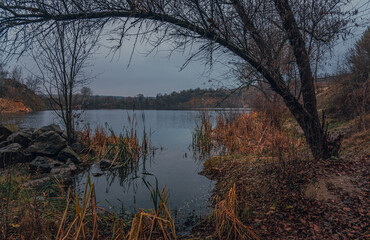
(45, 151)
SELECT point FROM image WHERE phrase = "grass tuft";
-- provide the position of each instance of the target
(228, 224)
(124, 148)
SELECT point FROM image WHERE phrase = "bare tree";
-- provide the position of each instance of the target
(274, 40)
(33, 83)
(17, 74)
(86, 94)
(3, 71)
(357, 84)
(61, 56)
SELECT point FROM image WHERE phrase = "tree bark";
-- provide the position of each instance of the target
(306, 116)
(313, 132)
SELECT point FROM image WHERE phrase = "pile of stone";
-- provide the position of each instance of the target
(46, 150)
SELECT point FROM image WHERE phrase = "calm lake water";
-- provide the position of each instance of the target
(173, 163)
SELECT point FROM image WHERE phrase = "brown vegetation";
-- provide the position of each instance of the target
(289, 196)
(257, 134)
(11, 106)
(226, 219)
(16, 95)
(124, 149)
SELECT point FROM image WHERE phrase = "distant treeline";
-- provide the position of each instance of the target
(186, 99)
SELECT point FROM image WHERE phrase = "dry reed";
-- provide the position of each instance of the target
(84, 223)
(125, 148)
(156, 223)
(254, 133)
(228, 224)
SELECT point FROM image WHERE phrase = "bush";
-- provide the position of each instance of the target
(349, 97)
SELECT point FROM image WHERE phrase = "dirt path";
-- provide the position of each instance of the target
(333, 203)
(300, 199)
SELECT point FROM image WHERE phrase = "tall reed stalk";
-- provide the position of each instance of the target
(154, 224)
(228, 224)
(202, 135)
(125, 148)
(84, 222)
(254, 133)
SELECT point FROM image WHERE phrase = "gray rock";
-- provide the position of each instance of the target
(48, 144)
(77, 147)
(20, 137)
(11, 154)
(6, 131)
(64, 135)
(65, 170)
(28, 131)
(37, 182)
(52, 127)
(36, 133)
(44, 164)
(105, 163)
(3, 144)
(97, 174)
(68, 153)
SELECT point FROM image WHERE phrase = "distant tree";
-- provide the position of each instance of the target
(86, 92)
(3, 71)
(33, 83)
(357, 84)
(16, 74)
(358, 58)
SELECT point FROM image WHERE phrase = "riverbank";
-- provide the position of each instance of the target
(298, 199)
(286, 194)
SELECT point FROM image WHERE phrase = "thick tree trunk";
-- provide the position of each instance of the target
(321, 145)
(313, 133)
(306, 115)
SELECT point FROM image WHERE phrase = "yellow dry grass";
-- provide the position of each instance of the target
(253, 134)
(154, 224)
(124, 148)
(85, 222)
(248, 134)
(228, 224)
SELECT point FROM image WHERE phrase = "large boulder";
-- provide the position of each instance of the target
(68, 153)
(52, 127)
(23, 138)
(65, 170)
(28, 131)
(47, 144)
(6, 131)
(44, 164)
(11, 154)
(77, 147)
(4, 144)
(48, 128)
(105, 164)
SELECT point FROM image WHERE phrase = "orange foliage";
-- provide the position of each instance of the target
(253, 134)
(11, 106)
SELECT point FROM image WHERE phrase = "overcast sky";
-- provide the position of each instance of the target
(157, 73)
(148, 75)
